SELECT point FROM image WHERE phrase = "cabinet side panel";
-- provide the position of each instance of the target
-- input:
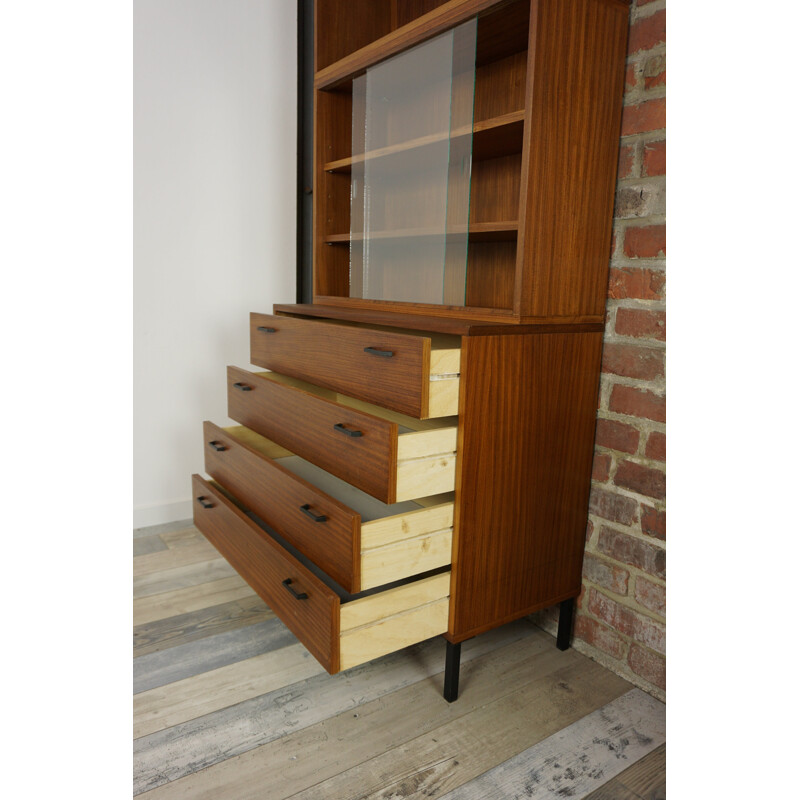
(527, 421)
(574, 106)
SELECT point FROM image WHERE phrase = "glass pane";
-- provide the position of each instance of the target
(410, 177)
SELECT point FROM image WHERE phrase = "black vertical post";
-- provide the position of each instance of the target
(452, 663)
(565, 623)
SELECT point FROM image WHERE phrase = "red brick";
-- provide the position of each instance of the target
(651, 666)
(630, 77)
(638, 403)
(641, 479)
(654, 161)
(605, 574)
(648, 32)
(600, 636)
(589, 530)
(625, 164)
(613, 507)
(655, 72)
(642, 323)
(617, 436)
(644, 2)
(626, 621)
(636, 284)
(634, 552)
(654, 522)
(633, 361)
(648, 241)
(651, 596)
(601, 467)
(656, 447)
(643, 117)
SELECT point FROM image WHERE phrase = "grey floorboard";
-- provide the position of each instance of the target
(163, 633)
(193, 658)
(148, 544)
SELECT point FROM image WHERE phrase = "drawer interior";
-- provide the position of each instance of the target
(426, 449)
(397, 540)
(341, 629)
(381, 620)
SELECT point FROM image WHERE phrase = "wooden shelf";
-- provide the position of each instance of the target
(498, 136)
(502, 231)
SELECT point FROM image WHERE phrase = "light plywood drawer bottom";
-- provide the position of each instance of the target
(340, 630)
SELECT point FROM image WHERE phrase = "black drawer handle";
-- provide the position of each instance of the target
(218, 447)
(297, 595)
(242, 387)
(203, 502)
(341, 428)
(263, 329)
(375, 352)
(306, 509)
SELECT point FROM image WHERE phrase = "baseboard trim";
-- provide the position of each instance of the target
(161, 514)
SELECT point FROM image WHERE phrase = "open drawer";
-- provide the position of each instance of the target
(412, 373)
(341, 631)
(357, 540)
(389, 455)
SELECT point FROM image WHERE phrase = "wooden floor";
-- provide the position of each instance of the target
(228, 705)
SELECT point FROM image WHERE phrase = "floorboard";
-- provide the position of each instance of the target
(196, 625)
(227, 704)
(211, 652)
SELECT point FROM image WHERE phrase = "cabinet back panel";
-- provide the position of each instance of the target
(340, 31)
(490, 274)
(500, 86)
(503, 31)
(409, 10)
(494, 194)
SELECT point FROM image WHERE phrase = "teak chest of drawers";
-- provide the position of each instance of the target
(367, 530)
(413, 453)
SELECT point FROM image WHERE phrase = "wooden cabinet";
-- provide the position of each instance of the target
(404, 469)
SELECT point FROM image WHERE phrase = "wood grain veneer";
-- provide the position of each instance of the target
(264, 564)
(304, 423)
(406, 317)
(276, 495)
(334, 357)
(527, 419)
(576, 70)
(419, 30)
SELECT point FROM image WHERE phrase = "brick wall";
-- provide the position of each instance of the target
(620, 620)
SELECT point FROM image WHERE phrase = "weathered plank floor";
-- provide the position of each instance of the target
(228, 705)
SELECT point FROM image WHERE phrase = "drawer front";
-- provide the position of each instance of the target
(389, 369)
(319, 430)
(272, 572)
(320, 527)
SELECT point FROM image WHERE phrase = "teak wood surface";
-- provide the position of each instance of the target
(304, 424)
(276, 495)
(334, 357)
(526, 440)
(264, 564)
(569, 158)
(406, 318)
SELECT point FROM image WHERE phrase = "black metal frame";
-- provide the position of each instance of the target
(452, 664)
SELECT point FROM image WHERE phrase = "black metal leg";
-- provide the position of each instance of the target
(452, 662)
(565, 624)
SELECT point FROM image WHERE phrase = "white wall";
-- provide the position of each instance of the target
(214, 219)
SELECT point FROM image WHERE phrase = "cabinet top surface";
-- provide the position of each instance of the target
(452, 325)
